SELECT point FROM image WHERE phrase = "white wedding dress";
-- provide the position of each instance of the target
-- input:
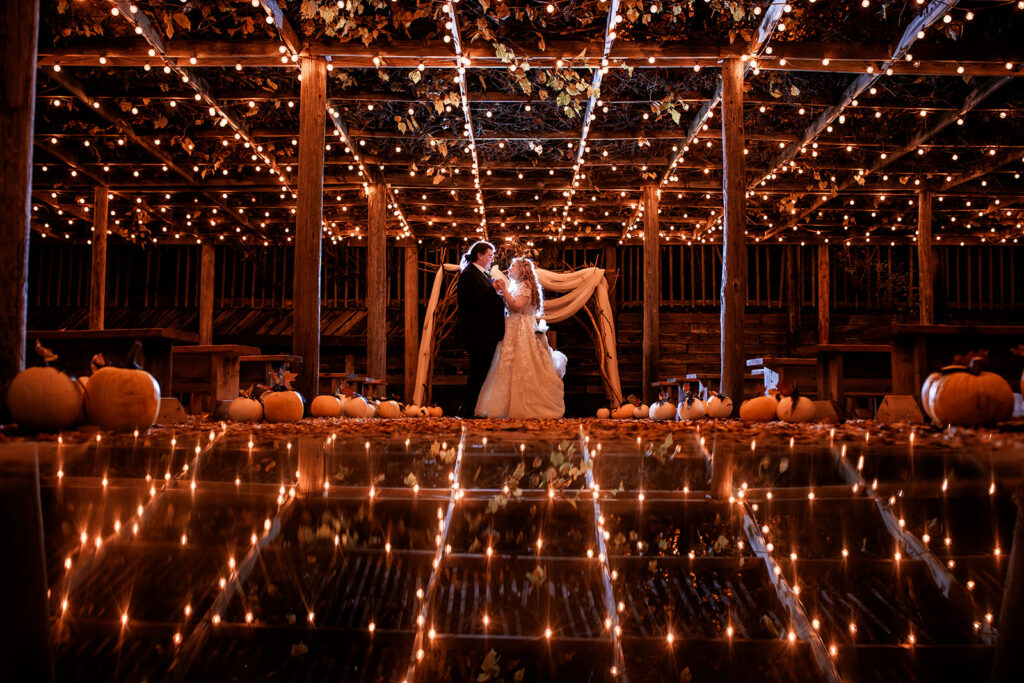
(525, 379)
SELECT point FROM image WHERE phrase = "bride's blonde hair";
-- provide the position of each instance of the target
(529, 281)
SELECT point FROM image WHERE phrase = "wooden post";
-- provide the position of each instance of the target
(925, 258)
(98, 279)
(412, 318)
(376, 283)
(206, 275)
(309, 223)
(652, 292)
(19, 23)
(734, 247)
(1011, 618)
(824, 294)
(793, 302)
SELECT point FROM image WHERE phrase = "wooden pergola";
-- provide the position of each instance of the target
(266, 122)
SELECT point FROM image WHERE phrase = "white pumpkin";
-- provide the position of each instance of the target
(641, 411)
(691, 408)
(795, 409)
(355, 406)
(283, 406)
(121, 399)
(244, 409)
(759, 409)
(603, 413)
(624, 412)
(662, 410)
(325, 406)
(719, 407)
(412, 410)
(44, 399)
(390, 410)
(436, 411)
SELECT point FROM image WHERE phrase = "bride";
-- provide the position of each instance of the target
(525, 379)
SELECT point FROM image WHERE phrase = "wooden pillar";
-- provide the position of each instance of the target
(98, 278)
(24, 608)
(376, 283)
(206, 275)
(652, 292)
(19, 24)
(734, 246)
(1011, 618)
(925, 258)
(412, 318)
(824, 294)
(793, 302)
(309, 223)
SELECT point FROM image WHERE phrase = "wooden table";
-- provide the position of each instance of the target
(259, 368)
(797, 372)
(920, 349)
(831, 361)
(77, 347)
(209, 370)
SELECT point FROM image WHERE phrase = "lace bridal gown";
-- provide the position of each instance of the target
(525, 379)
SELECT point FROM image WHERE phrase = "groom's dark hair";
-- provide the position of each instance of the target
(474, 252)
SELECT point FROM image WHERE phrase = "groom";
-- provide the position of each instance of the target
(481, 319)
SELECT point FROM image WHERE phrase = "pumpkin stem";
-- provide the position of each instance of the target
(45, 354)
(132, 359)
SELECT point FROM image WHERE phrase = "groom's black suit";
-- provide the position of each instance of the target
(481, 325)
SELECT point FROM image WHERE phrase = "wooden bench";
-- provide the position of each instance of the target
(871, 379)
(208, 373)
(365, 386)
(260, 368)
(77, 347)
(797, 372)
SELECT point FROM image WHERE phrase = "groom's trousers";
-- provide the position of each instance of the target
(480, 356)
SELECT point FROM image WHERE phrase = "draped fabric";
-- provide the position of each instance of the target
(578, 287)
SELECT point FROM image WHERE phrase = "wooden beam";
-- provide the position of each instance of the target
(989, 164)
(935, 10)
(734, 249)
(376, 283)
(98, 278)
(19, 24)
(973, 99)
(284, 28)
(207, 275)
(652, 293)
(925, 259)
(794, 304)
(309, 223)
(824, 294)
(412, 318)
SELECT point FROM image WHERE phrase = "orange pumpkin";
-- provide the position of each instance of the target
(122, 399)
(245, 409)
(968, 397)
(283, 406)
(759, 409)
(44, 399)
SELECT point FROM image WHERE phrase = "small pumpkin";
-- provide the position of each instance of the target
(371, 408)
(412, 410)
(245, 408)
(326, 405)
(390, 409)
(603, 413)
(795, 409)
(355, 406)
(624, 412)
(435, 411)
(760, 408)
(662, 409)
(44, 399)
(691, 408)
(641, 411)
(969, 396)
(718, 406)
